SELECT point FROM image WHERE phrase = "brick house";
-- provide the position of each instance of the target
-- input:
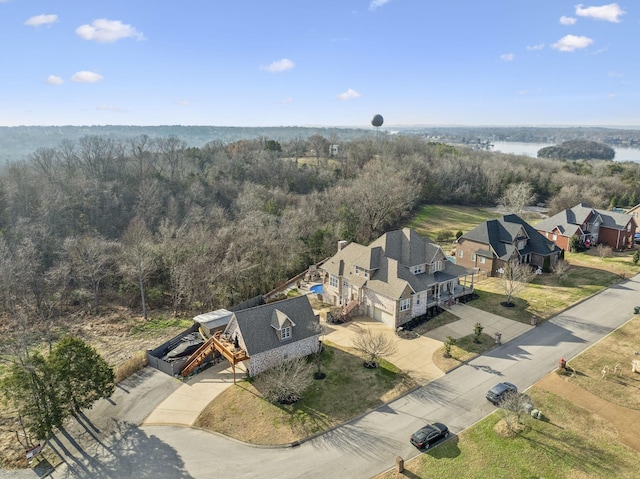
(398, 277)
(591, 226)
(490, 245)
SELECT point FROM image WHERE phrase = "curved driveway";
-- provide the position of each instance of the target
(368, 445)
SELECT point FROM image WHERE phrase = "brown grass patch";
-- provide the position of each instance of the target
(618, 348)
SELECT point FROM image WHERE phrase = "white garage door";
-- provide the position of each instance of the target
(383, 316)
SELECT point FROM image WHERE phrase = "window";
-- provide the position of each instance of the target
(482, 259)
(418, 299)
(285, 333)
(554, 237)
(333, 281)
(473, 257)
(437, 266)
(405, 304)
(460, 254)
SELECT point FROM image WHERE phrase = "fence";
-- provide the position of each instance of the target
(172, 368)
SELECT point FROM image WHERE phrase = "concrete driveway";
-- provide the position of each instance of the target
(413, 356)
(183, 406)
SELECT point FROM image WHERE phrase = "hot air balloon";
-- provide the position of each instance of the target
(377, 121)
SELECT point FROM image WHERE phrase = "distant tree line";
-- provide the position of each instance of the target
(154, 223)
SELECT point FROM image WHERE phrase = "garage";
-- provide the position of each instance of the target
(384, 317)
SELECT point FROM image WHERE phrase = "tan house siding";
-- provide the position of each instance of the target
(373, 300)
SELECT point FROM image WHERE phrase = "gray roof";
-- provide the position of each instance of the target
(389, 258)
(569, 221)
(214, 319)
(256, 325)
(503, 233)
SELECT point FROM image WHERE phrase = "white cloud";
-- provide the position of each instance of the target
(609, 13)
(377, 3)
(523, 92)
(507, 57)
(533, 48)
(568, 20)
(86, 77)
(279, 66)
(348, 95)
(108, 31)
(569, 43)
(43, 19)
(54, 80)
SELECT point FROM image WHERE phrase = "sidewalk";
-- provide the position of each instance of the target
(469, 316)
(625, 420)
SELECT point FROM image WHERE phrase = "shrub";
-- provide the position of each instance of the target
(130, 366)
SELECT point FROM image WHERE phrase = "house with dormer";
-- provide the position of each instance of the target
(398, 277)
(275, 332)
(492, 244)
(590, 226)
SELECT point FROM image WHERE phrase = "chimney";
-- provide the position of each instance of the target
(342, 244)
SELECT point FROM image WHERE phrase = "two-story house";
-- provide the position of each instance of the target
(590, 226)
(396, 278)
(492, 244)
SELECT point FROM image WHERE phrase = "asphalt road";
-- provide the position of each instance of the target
(109, 444)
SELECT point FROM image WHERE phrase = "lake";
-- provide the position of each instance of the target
(531, 149)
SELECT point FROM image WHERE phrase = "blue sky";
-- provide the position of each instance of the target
(331, 63)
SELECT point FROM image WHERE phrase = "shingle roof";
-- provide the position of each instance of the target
(502, 235)
(389, 259)
(569, 221)
(257, 330)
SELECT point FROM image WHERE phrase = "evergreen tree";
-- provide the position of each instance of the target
(82, 375)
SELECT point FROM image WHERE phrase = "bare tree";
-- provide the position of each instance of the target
(604, 251)
(139, 256)
(561, 269)
(517, 197)
(514, 406)
(515, 278)
(374, 345)
(92, 260)
(286, 382)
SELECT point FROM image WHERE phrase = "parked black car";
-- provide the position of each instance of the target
(428, 435)
(497, 392)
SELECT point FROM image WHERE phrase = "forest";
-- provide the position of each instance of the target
(152, 223)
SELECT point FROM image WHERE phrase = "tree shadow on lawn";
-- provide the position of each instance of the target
(573, 450)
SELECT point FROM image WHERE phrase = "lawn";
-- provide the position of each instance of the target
(619, 348)
(569, 442)
(348, 390)
(548, 294)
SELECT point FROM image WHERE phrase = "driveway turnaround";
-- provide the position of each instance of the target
(359, 449)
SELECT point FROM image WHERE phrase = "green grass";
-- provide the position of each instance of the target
(546, 296)
(432, 219)
(159, 324)
(348, 390)
(568, 443)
